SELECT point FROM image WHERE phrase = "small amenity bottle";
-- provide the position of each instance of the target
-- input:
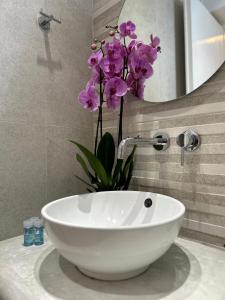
(28, 233)
(33, 220)
(38, 232)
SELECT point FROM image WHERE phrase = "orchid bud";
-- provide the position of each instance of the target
(112, 33)
(93, 46)
(102, 42)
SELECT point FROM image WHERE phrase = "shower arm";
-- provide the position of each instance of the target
(49, 18)
(44, 21)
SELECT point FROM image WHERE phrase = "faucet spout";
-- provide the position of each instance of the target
(122, 147)
(158, 140)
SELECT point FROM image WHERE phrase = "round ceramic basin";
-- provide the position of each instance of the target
(113, 235)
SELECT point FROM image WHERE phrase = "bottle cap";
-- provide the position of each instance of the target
(27, 223)
(33, 219)
(38, 223)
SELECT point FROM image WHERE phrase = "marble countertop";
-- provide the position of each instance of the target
(188, 271)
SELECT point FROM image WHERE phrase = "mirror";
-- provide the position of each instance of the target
(192, 42)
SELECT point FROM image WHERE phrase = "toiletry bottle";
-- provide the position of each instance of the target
(28, 233)
(38, 232)
(33, 219)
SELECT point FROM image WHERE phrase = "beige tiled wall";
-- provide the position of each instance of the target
(200, 184)
(40, 78)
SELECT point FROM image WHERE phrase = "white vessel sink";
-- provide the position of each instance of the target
(113, 235)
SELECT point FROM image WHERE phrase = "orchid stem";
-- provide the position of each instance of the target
(99, 122)
(120, 131)
(97, 129)
(101, 103)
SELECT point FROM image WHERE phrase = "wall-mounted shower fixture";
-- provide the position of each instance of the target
(44, 21)
(160, 142)
(189, 141)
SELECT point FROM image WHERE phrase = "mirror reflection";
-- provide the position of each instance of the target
(192, 42)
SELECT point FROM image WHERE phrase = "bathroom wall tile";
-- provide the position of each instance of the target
(61, 161)
(199, 226)
(20, 76)
(193, 120)
(199, 188)
(197, 198)
(66, 83)
(209, 169)
(208, 217)
(41, 77)
(195, 105)
(189, 159)
(22, 175)
(203, 237)
(192, 178)
(214, 210)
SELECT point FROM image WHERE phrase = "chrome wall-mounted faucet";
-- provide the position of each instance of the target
(160, 142)
(44, 21)
(189, 141)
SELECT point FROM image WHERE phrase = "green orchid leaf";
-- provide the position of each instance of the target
(129, 176)
(100, 169)
(125, 171)
(93, 179)
(85, 182)
(117, 170)
(106, 152)
(130, 157)
(85, 168)
(95, 164)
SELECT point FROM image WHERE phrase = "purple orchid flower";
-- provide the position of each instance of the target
(119, 68)
(95, 58)
(133, 46)
(140, 68)
(114, 89)
(111, 68)
(155, 41)
(88, 98)
(95, 76)
(128, 29)
(114, 50)
(147, 52)
(136, 87)
(140, 89)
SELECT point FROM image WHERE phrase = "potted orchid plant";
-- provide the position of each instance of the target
(117, 67)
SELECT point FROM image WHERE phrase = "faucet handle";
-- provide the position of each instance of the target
(189, 141)
(186, 139)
